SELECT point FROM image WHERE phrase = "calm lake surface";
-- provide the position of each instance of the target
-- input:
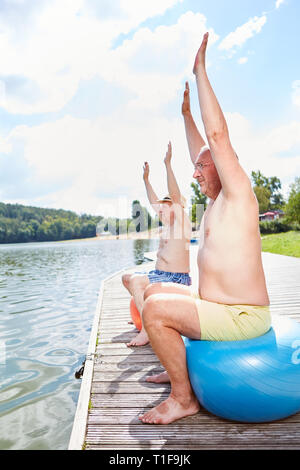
(48, 296)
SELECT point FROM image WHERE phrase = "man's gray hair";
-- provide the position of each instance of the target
(206, 147)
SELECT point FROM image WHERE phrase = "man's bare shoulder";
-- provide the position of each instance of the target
(240, 188)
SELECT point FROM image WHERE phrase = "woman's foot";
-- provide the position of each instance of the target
(161, 378)
(140, 340)
(170, 410)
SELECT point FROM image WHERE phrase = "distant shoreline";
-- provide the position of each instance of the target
(147, 235)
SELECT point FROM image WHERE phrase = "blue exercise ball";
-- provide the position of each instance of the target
(253, 381)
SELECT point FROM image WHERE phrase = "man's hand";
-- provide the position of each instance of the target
(186, 105)
(146, 171)
(168, 154)
(200, 56)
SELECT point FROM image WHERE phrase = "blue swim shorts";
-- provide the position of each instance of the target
(163, 276)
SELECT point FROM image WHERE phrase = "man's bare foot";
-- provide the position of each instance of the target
(161, 378)
(170, 410)
(140, 340)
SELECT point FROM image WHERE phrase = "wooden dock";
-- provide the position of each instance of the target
(114, 391)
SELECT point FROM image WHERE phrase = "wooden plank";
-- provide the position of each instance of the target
(181, 435)
(130, 368)
(122, 349)
(125, 376)
(130, 416)
(176, 447)
(131, 359)
(127, 400)
(129, 387)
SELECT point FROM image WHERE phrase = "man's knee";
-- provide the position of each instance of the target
(154, 309)
(126, 279)
(138, 282)
(150, 290)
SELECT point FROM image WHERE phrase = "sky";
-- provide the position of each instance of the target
(90, 89)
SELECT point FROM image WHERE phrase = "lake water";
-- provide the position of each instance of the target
(48, 296)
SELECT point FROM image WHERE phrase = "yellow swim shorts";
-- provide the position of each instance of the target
(220, 322)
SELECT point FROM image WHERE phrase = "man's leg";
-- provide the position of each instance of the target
(167, 317)
(126, 281)
(137, 286)
(164, 288)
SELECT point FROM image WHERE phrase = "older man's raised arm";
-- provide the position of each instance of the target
(193, 136)
(234, 180)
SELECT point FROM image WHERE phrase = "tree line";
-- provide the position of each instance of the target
(19, 223)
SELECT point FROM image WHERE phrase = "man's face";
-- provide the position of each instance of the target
(206, 174)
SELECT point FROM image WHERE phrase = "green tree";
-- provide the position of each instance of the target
(20, 223)
(140, 217)
(293, 205)
(273, 185)
(263, 198)
(199, 203)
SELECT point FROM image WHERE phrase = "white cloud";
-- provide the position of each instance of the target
(266, 152)
(5, 146)
(64, 45)
(103, 158)
(296, 93)
(243, 60)
(154, 63)
(238, 37)
(278, 3)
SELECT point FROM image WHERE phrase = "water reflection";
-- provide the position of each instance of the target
(48, 295)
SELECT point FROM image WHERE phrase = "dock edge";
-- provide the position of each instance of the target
(80, 420)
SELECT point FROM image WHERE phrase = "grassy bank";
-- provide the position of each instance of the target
(287, 243)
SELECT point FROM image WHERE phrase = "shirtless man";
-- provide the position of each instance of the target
(232, 301)
(173, 261)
